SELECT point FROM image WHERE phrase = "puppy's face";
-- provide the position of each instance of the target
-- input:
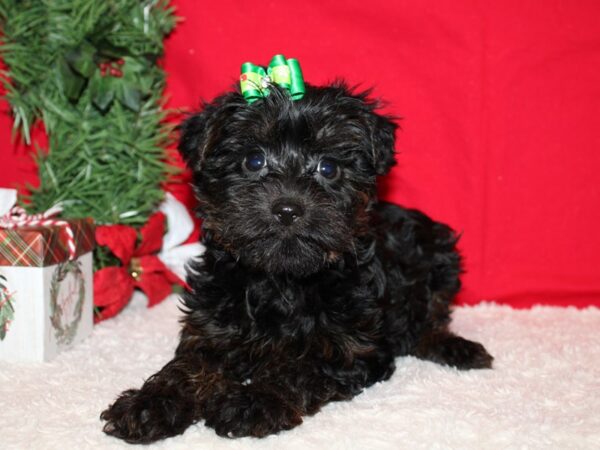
(285, 185)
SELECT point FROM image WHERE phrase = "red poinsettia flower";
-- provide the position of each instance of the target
(141, 268)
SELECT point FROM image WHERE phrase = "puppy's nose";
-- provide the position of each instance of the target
(287, 211)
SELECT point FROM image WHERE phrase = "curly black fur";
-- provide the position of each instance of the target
(282, 319)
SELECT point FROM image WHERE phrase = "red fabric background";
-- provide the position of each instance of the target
(501, 108)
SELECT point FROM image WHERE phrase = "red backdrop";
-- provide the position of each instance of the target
(501, 108)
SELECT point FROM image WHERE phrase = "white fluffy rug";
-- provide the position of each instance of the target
(544, 391)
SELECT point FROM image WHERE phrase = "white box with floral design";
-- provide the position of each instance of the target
(44, 310)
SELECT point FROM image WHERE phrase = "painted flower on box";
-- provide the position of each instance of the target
(67, 295)
(7, 309)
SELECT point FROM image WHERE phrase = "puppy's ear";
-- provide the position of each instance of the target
(193, 136)
(201, 130)
(380, 129)
(383, 139)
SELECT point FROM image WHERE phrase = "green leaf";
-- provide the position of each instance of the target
(81, 59)
(135, 66)
(130, 96)
(71, 83)
(102, 91)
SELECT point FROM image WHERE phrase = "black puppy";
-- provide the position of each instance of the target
(309, 287)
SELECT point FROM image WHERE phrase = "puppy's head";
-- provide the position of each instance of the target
(286, 186)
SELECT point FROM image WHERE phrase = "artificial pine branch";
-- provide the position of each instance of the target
(88, 70)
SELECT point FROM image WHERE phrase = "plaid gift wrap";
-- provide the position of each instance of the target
(39, 246)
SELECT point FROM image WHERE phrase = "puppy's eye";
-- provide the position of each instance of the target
(328, 169)
(255, 161)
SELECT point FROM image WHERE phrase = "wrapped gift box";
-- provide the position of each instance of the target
(46, 303)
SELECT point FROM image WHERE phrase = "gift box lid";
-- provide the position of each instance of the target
(38, 246)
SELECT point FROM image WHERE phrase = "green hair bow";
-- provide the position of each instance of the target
(286, 73)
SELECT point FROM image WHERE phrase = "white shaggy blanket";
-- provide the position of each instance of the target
(544, 391)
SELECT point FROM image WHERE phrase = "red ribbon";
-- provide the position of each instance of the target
(141, 268)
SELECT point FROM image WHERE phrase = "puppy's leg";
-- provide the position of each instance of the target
(166, 405)
(444, 347)
(437, 264)
(186, 391)
(436, 343)
(272, 401)
(250, 410)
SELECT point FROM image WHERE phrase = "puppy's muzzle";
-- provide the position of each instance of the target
(287, 211)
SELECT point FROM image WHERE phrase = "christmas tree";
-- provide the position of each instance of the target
(88, 70)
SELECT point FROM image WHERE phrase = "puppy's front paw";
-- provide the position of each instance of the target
(141, 418)
(248, 412)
